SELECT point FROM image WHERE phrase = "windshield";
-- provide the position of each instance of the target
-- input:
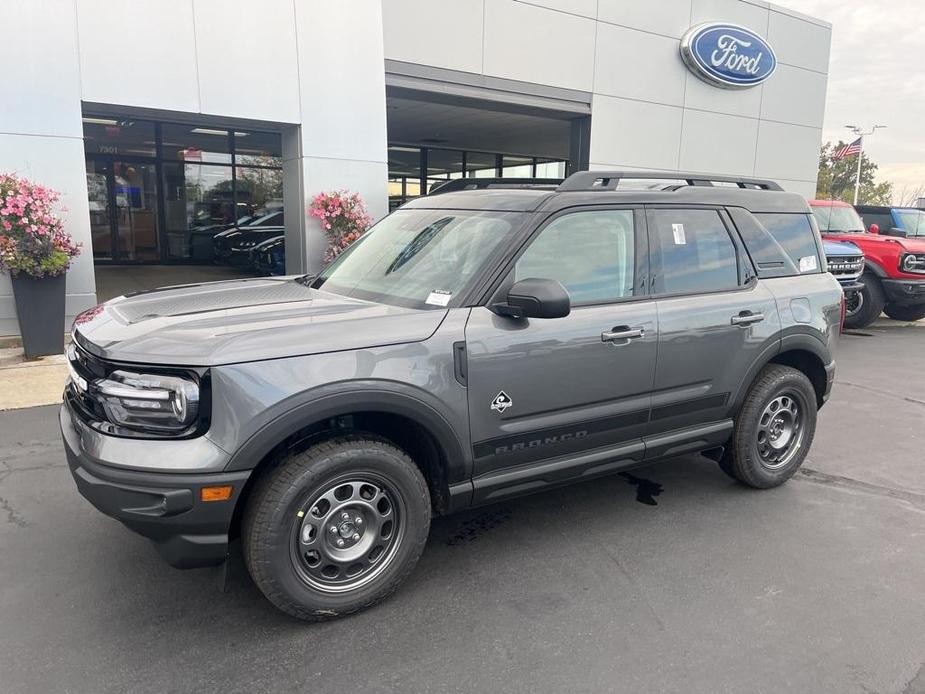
(418, 258)
(831, 218)
(913, 221)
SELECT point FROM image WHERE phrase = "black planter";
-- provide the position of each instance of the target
(40, 308)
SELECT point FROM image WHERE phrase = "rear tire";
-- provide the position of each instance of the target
(905, 313)
(336, 528)
(872, 302)
(773, 430)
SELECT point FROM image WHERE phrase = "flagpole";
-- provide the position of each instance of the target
(857, 177)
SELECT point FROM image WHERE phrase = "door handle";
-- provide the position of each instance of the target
(622, 332)
(747, 318)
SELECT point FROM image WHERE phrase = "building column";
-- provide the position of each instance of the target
(41, 134)
(342, 142)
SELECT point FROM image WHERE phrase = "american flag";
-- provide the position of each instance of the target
(847, 150)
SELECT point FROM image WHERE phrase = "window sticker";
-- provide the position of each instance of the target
(807, 263)
(678, 231)
(439, 297)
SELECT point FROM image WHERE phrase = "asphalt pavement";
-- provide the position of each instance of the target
(669, 579)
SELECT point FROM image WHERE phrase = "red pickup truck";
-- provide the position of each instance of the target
(894, 267)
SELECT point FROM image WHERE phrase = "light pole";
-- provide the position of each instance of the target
(857, 176)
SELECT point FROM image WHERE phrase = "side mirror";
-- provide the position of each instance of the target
(874, 228)
(535, 298)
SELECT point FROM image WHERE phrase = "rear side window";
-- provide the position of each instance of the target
(882, 219)
(795, 234)
(695, 252)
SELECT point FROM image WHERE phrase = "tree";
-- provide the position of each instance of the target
(909, 195)
(836, 178)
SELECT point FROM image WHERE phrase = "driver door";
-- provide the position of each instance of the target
(544, 392)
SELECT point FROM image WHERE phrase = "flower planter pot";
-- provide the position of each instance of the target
(40, 308)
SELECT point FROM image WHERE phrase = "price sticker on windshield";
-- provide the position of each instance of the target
(677, 231)
(439, 297)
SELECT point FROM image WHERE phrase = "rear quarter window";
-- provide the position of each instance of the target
(796, 236)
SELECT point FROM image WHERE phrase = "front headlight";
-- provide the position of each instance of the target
(912, 263)
(148, 402)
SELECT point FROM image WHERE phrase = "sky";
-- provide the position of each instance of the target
(877, 77)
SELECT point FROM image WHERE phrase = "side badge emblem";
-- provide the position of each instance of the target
(501, 402)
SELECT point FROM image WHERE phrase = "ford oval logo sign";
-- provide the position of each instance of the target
(727, 55)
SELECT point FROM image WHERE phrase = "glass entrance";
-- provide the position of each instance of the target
(123, 210)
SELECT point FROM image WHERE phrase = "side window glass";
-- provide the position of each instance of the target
(590, 253)
(795, 234)
(697, 254)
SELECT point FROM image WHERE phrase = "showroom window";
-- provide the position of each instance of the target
(160, 191)
(413, 171)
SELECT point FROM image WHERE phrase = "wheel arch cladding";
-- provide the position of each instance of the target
(803, 352)
(409, 424)
(810, 364)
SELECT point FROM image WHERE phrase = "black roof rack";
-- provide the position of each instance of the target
(609, 180)
(483, 183)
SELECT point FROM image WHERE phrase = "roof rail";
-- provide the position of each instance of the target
(456, 184)
(609, 180)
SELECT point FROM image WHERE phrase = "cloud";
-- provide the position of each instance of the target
(877, 76)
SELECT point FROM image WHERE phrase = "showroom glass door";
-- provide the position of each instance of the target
(123, 210)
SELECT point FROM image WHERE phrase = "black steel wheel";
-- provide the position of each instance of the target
(346, 534)
(336, 528)
(773, 430)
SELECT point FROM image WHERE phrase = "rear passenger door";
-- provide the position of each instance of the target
(715, 319)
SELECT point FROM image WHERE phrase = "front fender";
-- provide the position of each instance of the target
(335, 399)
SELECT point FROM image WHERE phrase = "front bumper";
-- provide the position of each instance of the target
(851, 285)
(904, 292)
(164, 507)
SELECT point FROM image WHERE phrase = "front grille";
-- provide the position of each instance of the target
(845, 266)
(85, 369)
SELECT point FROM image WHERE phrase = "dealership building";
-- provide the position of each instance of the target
(161, 121)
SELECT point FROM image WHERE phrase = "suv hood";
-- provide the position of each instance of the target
(243, 320)
(861, 239)
(840, 248)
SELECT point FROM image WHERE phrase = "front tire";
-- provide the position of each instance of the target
(905, 313)
(336, 528)
(870, 305)
(773, 430)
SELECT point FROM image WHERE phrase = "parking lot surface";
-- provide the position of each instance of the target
(669, 579)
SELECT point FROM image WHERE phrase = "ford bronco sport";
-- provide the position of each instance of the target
(491, 339)
(894, 267)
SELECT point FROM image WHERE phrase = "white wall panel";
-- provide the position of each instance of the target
(41, 79)
(787, 151)
(342, 85)
(585, 8)
(730, 11)
(533, 44)
(411, 34)
(247, 59)
(799, 42)
(794, 95)
(638, 65)
(737, 102)
(716, 143)
(634, 133)
(668, 17)
(139, 53)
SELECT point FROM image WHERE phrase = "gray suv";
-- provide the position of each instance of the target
(494, 338)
